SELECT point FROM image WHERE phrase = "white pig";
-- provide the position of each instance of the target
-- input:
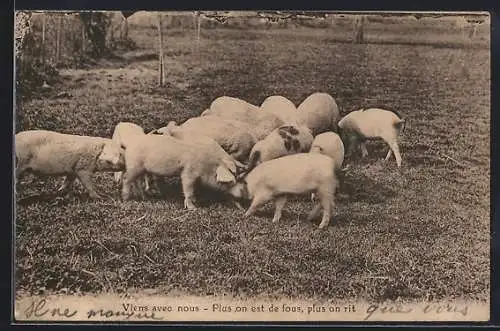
(319, 112)
(290, 175)
(283, 108)
(124, 133)
(234, 137)
(330, 144)
(285, 140)
(44, 152)
(262, 123)
(195, 159)
(373, 123)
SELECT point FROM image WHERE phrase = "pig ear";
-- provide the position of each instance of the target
(167, 130)
(103, 153)
(241, 169)
(170, 125)
(224, 175)
(254, 158)
(239, 164)
(231, 165)
(110, 153)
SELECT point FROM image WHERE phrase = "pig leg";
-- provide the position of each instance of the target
(146, 183)
(188, 183)
(395, 149)
(327, 202)
(160, 184)
(389, 154)
(397, 154)
(20, 170)
(149, 182)
(279, 204)
(118, 177)
(259, 199)
(129, 178)
(314, 212)
(392, 141)
(68, 180)
(138, 188)
(85, 178)
(353, 143)
(364, 151)
(238, 205)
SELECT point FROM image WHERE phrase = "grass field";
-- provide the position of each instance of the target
(421, 232)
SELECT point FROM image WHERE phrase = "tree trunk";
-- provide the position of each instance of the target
(21, 30)
(125, 29)
(84, 40)
(360, 30)
(96, 26)
(44, 17)
(195, 29)
(160, 52)
(58, 38)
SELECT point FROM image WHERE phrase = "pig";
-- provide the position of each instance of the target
(330, 144)
(262, 123)
(285, 140)
(319, 112)
(234, 137)
(283, 108)
(50, 153)
(294, 174)
(373, 123)
(124, 133)
(199, 158)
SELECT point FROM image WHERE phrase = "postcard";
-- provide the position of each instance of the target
(238, 166)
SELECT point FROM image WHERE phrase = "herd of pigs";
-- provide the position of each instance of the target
(251, 153)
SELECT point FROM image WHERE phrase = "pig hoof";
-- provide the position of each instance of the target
(189, 205)
(238, 205)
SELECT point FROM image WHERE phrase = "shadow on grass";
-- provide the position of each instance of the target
(361, 188)
(37, 198)
(59, 199)
(347, 219)
(205, 196)
(421, 154)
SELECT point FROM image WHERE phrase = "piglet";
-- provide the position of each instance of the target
(295, 174)
(373, 123)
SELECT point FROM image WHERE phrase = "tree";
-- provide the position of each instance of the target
(21, 31)
(360, 22)
(126, 15)
(96, 25)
